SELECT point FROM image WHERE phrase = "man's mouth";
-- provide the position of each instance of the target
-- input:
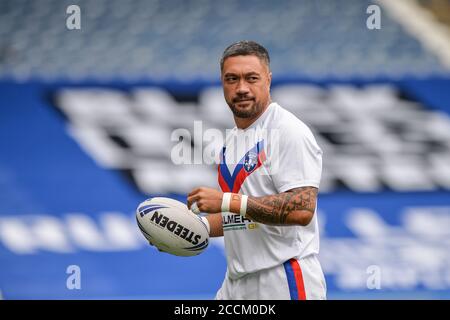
(243, 100)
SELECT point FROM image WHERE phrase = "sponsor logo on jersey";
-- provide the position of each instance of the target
(237, 222)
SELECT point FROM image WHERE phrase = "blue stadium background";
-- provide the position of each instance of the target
(86, 118)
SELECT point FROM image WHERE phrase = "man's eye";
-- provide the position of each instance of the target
(253, 79)
(231, 79)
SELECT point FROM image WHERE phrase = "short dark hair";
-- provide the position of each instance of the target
(245, 48)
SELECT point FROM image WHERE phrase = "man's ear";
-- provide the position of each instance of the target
(269, 78)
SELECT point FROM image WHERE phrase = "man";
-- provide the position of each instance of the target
(266, 210)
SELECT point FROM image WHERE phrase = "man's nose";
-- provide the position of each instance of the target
(242, 88)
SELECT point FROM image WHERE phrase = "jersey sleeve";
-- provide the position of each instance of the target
(297, 161)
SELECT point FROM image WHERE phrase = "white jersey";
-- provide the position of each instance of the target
(276, 153)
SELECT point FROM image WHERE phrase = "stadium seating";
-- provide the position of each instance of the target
(182, 40)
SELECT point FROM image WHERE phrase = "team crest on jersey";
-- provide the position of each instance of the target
(250, 161)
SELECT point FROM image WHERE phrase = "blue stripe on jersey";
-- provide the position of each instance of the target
(291, 280)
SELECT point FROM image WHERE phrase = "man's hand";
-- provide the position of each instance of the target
(208, 200)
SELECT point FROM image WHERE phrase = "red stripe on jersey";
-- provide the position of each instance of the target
(298, 279)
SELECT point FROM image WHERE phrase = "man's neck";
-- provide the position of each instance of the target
(244, 123)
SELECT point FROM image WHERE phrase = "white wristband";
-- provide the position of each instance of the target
(206, 222)
(226, 202)
(243, 209)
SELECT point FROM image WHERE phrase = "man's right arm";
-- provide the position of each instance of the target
(215, 224)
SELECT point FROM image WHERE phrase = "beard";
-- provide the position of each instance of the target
(243, 108)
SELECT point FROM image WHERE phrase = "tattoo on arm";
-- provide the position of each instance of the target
(276, 209)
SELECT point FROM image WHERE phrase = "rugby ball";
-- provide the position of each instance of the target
(170, 226)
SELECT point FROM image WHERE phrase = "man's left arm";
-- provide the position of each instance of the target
(293, 207)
